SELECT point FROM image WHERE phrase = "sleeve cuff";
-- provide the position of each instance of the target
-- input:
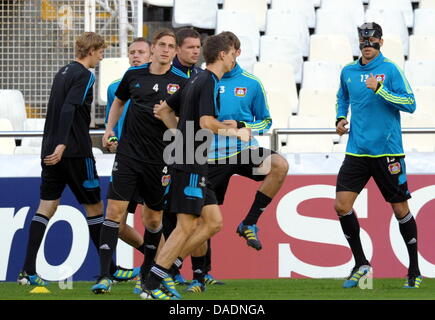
(379, 87)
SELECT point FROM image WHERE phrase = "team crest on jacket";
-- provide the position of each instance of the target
(380, 77)
(165, 180)
(172, 88)
(240, 92)
(394, 168)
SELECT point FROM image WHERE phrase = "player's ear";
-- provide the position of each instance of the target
(381, 42)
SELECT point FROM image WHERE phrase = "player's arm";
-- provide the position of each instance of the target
(166, 114)
(224, 128)
(75, 98)
(260, 111)
(399, 95)
(342, 107)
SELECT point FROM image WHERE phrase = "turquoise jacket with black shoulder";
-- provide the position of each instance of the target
(242, 98)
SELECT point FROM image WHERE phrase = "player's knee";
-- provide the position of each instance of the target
(215, 226)
(341, 208)
(114, 213)
(280, 166)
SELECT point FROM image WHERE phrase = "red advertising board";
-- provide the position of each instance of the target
(301, 234)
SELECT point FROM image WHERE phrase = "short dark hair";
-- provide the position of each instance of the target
(162, 33)
(184, 33)
(214, 45)
(235, 40)
(140, 39)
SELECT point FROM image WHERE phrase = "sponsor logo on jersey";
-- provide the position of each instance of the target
(172, 88)
(240, 92)
(394, 168)
(165, 180)
(380, 77)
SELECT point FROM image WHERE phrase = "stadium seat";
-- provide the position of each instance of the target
(247, 57)
(241, 23)
(420, 73)
(160, 3)
(354, 7)
(33, 142)
(305, 8)
(422, 142)
(392, 23)
(404, 6)
(288, 23)
(330, 21)
(12, 107)
(7, 145)
(424, 22)
(283, 49)
(333, 48)
(318, 102)
(424, 97)
(309, 143)
(111, 69)
(278, 77)
(393, 49)
(426, 4)
(421, 47)
(197, 13)
(255, 8)
(280, 107)
(321, 75)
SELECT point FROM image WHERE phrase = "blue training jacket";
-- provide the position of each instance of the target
(242, 98)
(375, 129)
(110, 97)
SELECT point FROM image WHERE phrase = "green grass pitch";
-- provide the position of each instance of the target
(270, 289)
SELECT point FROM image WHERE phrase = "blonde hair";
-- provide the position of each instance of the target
(88, 41)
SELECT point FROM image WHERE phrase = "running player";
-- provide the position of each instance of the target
(66, 153)
(188, 194)
(139, 53)
(376, 90)
(139, 164)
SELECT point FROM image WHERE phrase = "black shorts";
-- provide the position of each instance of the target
(389, 174)
(134, 180)
(80, 174)
(243, 164)
(188, 193)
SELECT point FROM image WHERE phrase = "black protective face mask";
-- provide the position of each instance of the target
(368, 44)
(367, 33)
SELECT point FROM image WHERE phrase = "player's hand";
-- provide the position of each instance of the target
(341, 129)
(108, 140)
(244, 134)
(230, 123)
(371, 82)
(56, 156)
(158, 109)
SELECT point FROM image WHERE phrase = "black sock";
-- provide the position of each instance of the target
(207, 267)
(260, 203)
(176, 266)
(141, 248)
(108, 241)
(350, 225)
(408, 229)
(156, 275)
(198, 268)
(151, 240)
(36, 234)
(94, 225)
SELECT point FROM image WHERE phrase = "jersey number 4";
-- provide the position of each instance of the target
(156, 87)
